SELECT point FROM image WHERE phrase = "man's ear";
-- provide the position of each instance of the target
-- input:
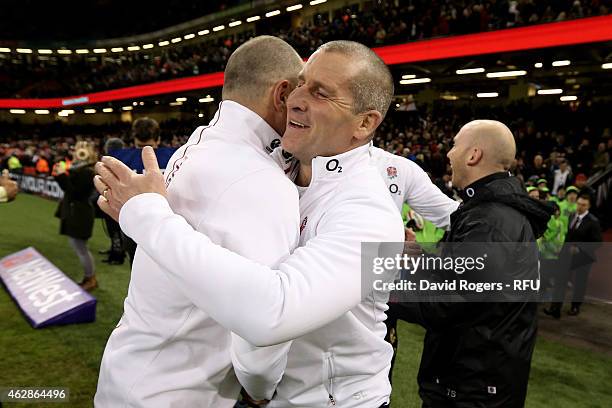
(370, 120)
(280, 93)
(475, 157)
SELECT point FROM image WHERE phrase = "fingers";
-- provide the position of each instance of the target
(120, 170)
(150, 160)
(108, 177)
(100, 185)
(105, 206)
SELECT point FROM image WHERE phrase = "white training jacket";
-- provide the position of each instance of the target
(408, 183)
(314, 296)
(166, 350)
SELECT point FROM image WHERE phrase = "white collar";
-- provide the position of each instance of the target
(243, 125)
(341, 165)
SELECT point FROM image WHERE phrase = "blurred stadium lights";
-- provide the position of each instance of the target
(469, 71)
(555, 91)
(141, 103)
(62, 114)
(41, 111)
(147, 46)
(17, 111)
(315, 2)
(181, 99)
(127, 108)
(117, 49)
(175, 103)
(251, 19)
(134, 103)
(538, 65)
(273, 13)
(561, 63)
(208, 98)
(82, 51)
(487, 95)
(506, 74)
(414, 81)
(200, 115)
(3, 49)
(107, 110)
(234, 23)
(294, 7)
(607, 65)
(99, 50)
(163, 43)
(67, 111)
(218, 28)
(449, 97)
(408, 76)
(133, 48)
(89, 111)
(45, 51)
(176, 40)
(568, 98)
(204, 32)
(189, 36)
(24, 50)
(64, 52)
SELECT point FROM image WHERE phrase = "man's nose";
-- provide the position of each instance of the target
(296, 101)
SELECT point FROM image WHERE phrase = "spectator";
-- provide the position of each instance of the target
(601, 158)
(562, 177)
(76, 210)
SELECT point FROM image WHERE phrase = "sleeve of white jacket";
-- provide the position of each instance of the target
(259, 369)
(427, 199)
(317, 284)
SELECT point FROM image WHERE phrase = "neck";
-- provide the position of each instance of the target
(304, 175)
(477, 175)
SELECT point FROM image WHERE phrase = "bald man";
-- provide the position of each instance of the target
(478, 354)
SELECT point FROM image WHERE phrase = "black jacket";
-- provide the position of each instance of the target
(76, 210)
(585, 238)
(479, 354)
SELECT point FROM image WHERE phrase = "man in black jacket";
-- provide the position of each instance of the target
(479, 354)
(578, 255)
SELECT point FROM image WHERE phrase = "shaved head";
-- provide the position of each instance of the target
(495, 140)
(481, 147)
(256, 66)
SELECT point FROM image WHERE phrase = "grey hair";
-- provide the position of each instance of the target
(372, 87)
(258, 64)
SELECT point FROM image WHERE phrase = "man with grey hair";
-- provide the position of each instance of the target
(165, 351)
(334, 350)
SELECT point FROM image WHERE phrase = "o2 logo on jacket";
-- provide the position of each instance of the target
(391, 172)
(303, 224)
(394, 189)
(334, 165)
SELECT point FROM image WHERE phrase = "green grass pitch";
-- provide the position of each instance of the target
(69, 356)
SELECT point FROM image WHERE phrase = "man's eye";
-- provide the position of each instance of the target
(321, 94)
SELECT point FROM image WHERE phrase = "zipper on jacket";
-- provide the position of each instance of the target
(330, 378)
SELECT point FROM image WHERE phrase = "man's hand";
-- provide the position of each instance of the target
(116, 183)
(9, 185)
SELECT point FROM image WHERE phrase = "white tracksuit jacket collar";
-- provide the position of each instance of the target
(336, 167)
(240, 124)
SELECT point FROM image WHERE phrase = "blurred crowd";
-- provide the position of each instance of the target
(35, 149)
(563, 144)
(384, 22)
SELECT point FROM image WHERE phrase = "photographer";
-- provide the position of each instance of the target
(76, 210)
